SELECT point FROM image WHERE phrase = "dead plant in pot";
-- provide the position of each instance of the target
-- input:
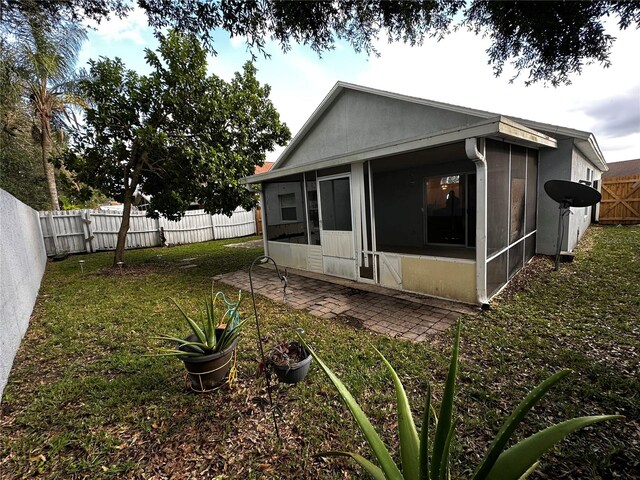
(208, 352)
(290, 361)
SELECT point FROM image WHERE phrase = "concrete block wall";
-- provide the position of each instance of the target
(22, 264)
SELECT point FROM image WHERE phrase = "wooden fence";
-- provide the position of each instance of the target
(620, 202)
(75, 231)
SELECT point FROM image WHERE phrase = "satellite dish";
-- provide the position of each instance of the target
(572, 194)
(569, 194)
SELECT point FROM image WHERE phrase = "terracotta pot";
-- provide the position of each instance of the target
(208, 371)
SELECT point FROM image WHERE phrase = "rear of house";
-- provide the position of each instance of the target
(421, 196)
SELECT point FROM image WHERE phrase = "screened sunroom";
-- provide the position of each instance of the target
(414, 225)
(415, 195)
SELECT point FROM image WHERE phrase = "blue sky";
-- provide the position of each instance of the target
(605, 102)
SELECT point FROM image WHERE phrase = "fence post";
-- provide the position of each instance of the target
(54, 235)
(213, 226)
(257, 220)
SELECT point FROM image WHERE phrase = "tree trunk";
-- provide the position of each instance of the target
(130, 190)
(45, 143)
(124, 228)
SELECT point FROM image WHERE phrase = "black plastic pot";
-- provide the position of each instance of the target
(295, 372)
(208, 372)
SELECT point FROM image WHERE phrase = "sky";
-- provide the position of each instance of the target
(604, 101)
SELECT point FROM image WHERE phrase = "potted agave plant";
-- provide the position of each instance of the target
(208, 352)
(290, 361)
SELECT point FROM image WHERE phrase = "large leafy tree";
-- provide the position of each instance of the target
(550, 40)
(178, 134)
(38, 60)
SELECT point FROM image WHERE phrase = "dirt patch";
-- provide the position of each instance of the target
(134, 270)
(539, 265)
(587, 241)
(352, 321)
(250, 244)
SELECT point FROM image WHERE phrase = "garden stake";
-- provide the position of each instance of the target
(283, 278)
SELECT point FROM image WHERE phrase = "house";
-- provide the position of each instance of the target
(627, 168)
(421, 196)
(264, 168)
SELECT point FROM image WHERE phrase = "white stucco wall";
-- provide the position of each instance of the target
(564, 163)
(22, 263)
(359, 120)
(581, 218)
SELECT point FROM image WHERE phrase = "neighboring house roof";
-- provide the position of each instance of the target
(623, 169)
(476, 123)
(264, 168)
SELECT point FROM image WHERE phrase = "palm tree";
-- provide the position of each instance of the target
(46, 51)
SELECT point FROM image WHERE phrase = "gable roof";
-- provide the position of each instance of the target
(340, 86)
(584, 141)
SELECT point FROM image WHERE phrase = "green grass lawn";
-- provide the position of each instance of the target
(85, 401)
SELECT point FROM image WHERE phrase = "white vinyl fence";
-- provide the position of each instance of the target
(75, 231)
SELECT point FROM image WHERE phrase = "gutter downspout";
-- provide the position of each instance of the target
(471, 149)
(263, 214)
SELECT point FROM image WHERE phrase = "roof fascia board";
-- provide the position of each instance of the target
(514, 129)
(497, 125)
(548, 127)
(591, 151)
(587, 140)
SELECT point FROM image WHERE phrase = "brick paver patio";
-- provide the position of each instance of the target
(384, 311)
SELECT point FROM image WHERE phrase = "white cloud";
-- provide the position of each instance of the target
(455, 70)
(238, 41)
(130, 28)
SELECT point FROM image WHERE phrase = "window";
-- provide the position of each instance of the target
(288, 207)
(589, 183)
(285, 213)
(445, 199)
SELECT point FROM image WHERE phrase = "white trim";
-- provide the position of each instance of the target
(501, 251)
(508, 212)
(263, 214)
(426, 257)
(373, 223)
(306, 206)
(356, 186)
(471, 149)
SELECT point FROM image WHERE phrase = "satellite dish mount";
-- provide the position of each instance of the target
(569, 194)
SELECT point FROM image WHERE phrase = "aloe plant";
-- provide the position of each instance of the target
(212, 335)
(422, 461)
